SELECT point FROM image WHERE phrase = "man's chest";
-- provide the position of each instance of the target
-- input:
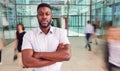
(48, 43)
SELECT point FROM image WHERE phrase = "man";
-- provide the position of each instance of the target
(89, 30)
(113, 45)
(46, 47)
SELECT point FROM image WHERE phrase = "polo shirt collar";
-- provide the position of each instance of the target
(50, 31)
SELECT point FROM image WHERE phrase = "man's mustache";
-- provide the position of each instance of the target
(44, 21)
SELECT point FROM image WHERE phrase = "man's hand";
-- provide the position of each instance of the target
(63, 53)
(36, 55)
(60, 46)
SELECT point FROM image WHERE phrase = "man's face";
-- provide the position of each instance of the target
(44, 16)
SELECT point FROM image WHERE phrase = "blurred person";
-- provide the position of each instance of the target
(89, 31)
(46, 47)
(18, 43)
(96, 24)
(113, 43)
(94, 34)
(1, 47)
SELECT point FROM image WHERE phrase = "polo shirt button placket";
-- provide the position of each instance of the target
(45, 42)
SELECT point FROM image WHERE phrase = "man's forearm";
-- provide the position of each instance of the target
(57, 56)
(37, 63)
(63, 53)
(30, 61)
(52, 56)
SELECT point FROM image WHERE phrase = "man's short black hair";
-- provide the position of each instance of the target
(44, 5)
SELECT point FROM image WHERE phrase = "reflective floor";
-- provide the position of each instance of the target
(82, 59)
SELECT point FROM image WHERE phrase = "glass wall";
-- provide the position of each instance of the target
(76, 11)
(7, 20)
(79, 14)
(116, 15)
(26, 11)
(69, 14)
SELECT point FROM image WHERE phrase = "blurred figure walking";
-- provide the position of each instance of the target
(94, 35)
(113, 43)
(18, 43)
(89, 30)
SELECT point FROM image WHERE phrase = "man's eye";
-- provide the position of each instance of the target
(47, 14)
(40, 14)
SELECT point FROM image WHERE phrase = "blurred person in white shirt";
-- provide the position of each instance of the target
(89, 31)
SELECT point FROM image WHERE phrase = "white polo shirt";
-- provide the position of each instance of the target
(89, 28)
(40, 42)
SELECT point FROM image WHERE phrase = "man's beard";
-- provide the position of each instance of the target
(44, 26)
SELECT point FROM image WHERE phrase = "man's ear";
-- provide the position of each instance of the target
(37, 15)
(52, 17)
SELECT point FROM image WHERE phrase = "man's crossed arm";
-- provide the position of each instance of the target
(40, 59)
(63, 53)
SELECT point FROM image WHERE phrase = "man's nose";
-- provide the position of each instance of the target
(44, 16)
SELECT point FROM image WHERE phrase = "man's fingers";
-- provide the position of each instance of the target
(61, 45)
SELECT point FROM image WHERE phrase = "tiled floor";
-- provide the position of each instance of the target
(82, 59)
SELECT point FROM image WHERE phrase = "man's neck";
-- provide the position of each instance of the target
(45, 30)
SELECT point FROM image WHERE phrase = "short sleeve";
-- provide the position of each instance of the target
(63, 37)
(26, 42)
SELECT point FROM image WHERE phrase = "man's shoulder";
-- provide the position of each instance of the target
(56, 29)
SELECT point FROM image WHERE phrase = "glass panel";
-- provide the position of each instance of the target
(24, 10)
(111, 1)
(40, 1)
(28, 21)
(7, 18)
(77, 24)
(34, 22)
(116, 1)
(99, 5)
(25, 21)
(116, 12)
(77, 10)
(93, 6)
(99, 14)
(73, 27)
(107, 12)
(93, 14)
